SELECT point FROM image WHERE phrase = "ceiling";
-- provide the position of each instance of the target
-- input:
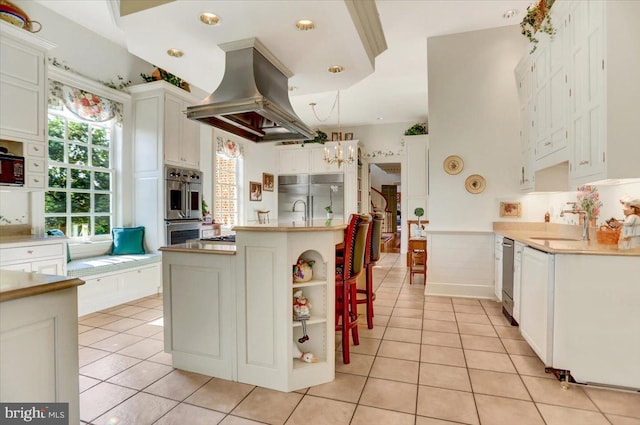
(392, 89)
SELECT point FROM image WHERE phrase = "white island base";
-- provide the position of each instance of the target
(230, 316)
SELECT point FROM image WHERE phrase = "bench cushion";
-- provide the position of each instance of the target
(108, 263)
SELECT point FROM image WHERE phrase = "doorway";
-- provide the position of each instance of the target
(385, 195)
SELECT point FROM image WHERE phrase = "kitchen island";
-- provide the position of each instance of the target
(39, 339)
(228, 309)
(579, 302)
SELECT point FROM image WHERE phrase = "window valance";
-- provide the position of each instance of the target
(228, 149)
(84, 104)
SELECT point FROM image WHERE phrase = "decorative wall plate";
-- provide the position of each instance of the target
(475, 184)
(453, 164)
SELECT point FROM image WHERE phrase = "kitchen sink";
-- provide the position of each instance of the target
(552, 238)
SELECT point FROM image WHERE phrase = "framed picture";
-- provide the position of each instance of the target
(348, 136)
(267, 182)
(336, 136)
(255, 191)
(510, 209)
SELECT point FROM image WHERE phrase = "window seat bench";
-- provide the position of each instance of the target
(115, 279)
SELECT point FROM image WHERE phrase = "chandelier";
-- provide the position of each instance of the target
(337, 156)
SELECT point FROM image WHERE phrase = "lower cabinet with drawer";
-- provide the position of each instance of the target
(39, 255)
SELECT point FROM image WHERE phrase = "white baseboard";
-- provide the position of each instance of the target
(459, 290)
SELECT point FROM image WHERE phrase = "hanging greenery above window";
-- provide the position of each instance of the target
(538, 18)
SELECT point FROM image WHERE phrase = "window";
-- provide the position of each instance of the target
(226, 190)
(79, 199)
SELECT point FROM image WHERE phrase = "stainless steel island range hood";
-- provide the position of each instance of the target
(252, 101)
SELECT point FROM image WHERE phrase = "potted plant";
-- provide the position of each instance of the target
(418, 212)
(329, 211)
(321, 137)
(537, 19)
(161, 74)
(419, 128)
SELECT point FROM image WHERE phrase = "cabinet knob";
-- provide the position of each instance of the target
(98, 280)
(29, 252)
(585, 162)
(36, 181)
(547, 144)
(35, 164)
(37, 149)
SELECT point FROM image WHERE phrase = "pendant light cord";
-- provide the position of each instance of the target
(335, 102)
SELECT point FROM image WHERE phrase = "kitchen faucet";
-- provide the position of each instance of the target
(585, 223)
(304, 217)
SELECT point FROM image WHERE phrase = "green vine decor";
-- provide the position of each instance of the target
(161, 74)
(321, 137)
(537, 19)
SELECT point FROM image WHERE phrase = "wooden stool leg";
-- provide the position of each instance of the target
(345, 324)
(353, 303)
(370, 296)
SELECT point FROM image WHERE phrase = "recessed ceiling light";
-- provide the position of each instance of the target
(510, 13)
(305, 25)
(209, 18)
(175, 53)
(336, 69)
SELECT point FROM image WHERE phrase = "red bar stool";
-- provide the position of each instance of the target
(348, 267)
(371, 257)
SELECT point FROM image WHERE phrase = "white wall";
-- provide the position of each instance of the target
(473, 113)
(85, 51)
(379, 177)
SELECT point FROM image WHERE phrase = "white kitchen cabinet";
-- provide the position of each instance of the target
(517, 279)
(39, 349)
(536, 302)
(294, 159)
(591, 108)
(40, 255)
(23, 104)
(498, 251)
(182, 135)
(265, 329)
(587, 77)
(199, 312)
(524, 80)
(175, 138)
(597, 319)
(161, 134)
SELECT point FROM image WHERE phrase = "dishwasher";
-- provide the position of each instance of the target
(508, 251)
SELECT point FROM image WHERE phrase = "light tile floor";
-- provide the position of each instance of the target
(428, 361)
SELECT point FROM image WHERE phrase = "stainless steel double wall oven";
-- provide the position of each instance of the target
(183, 200)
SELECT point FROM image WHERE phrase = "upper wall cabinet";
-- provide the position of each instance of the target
(585, 98)
(23, 80)
(23, 100)
(159, 107)
(182, 135)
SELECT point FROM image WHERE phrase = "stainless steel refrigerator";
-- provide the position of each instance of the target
(306, 197)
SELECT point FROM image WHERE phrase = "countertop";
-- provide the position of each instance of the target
(21, 239)
(201, 247)
(533, 234)
(319, 225)
(14, 284)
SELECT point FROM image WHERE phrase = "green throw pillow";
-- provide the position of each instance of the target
(127, 240)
